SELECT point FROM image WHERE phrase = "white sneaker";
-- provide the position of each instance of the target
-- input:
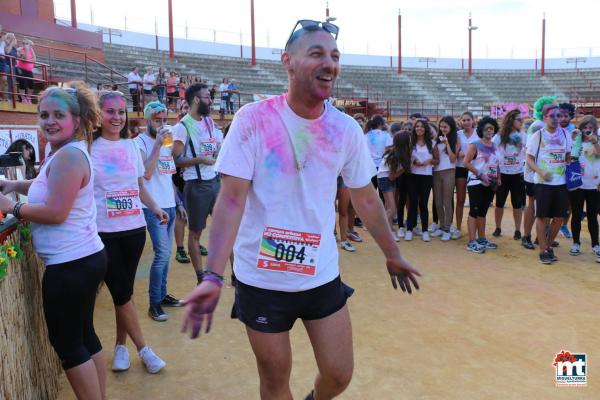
(346, 245)
(121, 359)
(446, 236)
(418, 230)
(408, 236)
(575, 249)
(596, 250)
(400, 232)
(452, 228)
(455, 235)
(437, 232)
(152, 362)
(426, 237)
(396, 238)
(433, 227)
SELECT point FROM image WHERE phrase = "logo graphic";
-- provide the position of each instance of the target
(571, 369)
(262, 320)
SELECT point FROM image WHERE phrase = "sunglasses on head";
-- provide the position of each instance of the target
(310, 25)
(104, 92)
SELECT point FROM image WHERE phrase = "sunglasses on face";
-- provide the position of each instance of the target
(310, 25)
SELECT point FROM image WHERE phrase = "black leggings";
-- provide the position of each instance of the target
(516, 186)
(124, 250)
(591, 197)
(402, 193)
(480, 198)
(419, 188)
(69, 295)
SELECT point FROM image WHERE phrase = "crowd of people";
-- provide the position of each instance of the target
(17, 60)
(169, 89)
(99, 193)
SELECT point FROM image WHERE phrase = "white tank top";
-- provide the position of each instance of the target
(464, 145)
(77, 236)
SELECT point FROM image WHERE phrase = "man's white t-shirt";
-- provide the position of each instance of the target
(512, 155)
(160, 186)
(285, 240)
(133, 77)
(149, 80)
(377, 141)
(117, 167)
(207, 139)
(553, 149)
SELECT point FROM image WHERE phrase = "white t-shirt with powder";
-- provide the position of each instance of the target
(551, 152)
(160, 186)
(285, 241)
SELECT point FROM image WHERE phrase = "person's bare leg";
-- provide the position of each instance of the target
(481, 227)
(529, 216)
(554, 228)
(343, 205)
(461, 195)
(540, 229)
(518, 218)
(100, 362)
(331, 338)
(179, 231)
(498, 215)
(128, 324)
(84, 381)
(390, 207)
(273, 354)
(194, 250)
(472, 227)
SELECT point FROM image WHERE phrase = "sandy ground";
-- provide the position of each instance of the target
(482, 327)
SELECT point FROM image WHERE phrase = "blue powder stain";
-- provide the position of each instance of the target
(272, 162)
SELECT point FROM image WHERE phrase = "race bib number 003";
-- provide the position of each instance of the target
(123, 203)
(289, 251)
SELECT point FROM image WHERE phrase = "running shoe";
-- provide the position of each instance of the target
(517, 235)
(433, 227)
(418, 230)
(575, 249)
(445, 236)
(354, 236)
(203, 251)
(437, 233)
(426, 237)
(156, 312)
(564, 230)
(497, 232)
(152, 362)
(181, 256)
(346, 245)
(170, 301)
(396, 238)
(408, 236)
(545, 258)
(552, 255)
(400, 232)
(455, 235)
(310, 396)
(121, 359)
(475, 247)
(526, 242)
(596, 250)
(487, 244)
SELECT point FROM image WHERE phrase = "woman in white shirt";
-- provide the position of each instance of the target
(119, 191)
(421, 179)
(62, 213)
(466, 136)
(589, 158)
(445, 150)
(511, 150)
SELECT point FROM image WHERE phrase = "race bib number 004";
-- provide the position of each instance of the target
(123, 203)
(289, 251)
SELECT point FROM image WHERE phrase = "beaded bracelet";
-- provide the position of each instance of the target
(16, 212)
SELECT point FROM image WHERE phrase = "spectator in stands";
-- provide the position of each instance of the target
(10, 49)
(212, 92)
(171, 89)
(224, 90)
(26, 59)
(233, 93)
(26, 149)
(149, 82)
(134, 80)
(161, 83)
(3, 66)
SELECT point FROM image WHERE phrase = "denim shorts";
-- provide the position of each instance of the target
(385, 185)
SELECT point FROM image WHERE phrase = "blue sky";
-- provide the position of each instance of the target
(433, 28)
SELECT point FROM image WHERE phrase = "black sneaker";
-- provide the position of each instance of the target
(552, 256)
(358, 222)
(170, 301)
(156, 313)
(497, 232)
(526, 242)
(310, 396)
(181, 256)
(555, 244)
(203, 251)
(517, 235)
(545, 258)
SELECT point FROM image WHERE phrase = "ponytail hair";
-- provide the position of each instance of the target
(81, 103)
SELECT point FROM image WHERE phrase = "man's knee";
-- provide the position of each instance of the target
(338, 378)
(274, 373)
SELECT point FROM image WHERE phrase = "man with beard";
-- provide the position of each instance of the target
(279, 169)
(158, 168)
(567, 113)
(197, 140)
